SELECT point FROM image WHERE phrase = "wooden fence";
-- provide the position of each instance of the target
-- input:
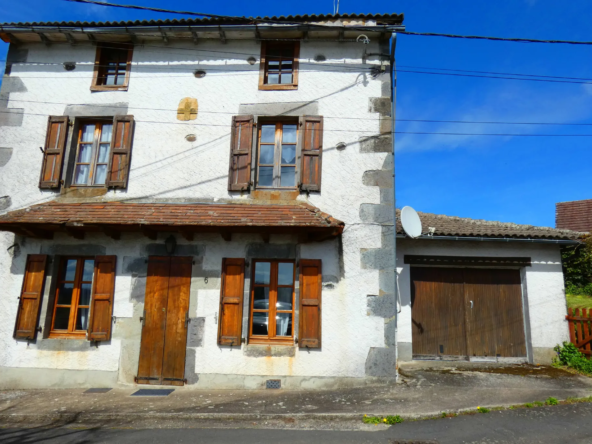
(580, 329)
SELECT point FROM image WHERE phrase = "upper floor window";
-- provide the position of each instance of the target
(112, 67)
(277, 155)
(92, 158)
(102, 152)
(279, 65)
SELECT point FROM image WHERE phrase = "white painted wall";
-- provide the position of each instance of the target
(165, 165)
(544, 283)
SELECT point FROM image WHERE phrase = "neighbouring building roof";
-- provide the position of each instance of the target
(383, 19)
(574, 215)
(51, 217)
(466, 227)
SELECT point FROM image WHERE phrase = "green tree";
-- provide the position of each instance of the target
(577, 267)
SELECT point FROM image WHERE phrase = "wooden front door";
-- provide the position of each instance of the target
(164, 331)
(467, 312)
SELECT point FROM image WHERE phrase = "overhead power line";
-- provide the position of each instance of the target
(495, 72)
(147, 8)
(341, 130)
(453, 74)
(324, 116)
(501, 39)
(425, 34)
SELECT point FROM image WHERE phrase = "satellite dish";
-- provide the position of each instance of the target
(411, 222)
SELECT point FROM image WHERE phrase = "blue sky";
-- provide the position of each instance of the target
(514, 179)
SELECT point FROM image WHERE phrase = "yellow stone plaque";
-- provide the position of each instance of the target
(187, 109)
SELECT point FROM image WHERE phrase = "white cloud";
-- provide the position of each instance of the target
(508, 103)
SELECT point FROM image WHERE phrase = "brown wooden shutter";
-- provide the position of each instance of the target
(121, 150)
(309, 325)
(311, 151)
(53, 153)
(241, 142)
(27, 317)
(101, 305)
(231, 302)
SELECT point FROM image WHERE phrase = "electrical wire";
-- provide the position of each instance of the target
(146, 8)
(493, 77)
(494, 72)
(501, 39)
(375, 119)
(339, 130)
(425, 34)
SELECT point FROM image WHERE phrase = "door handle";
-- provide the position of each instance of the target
(471, 305)
(187, 320)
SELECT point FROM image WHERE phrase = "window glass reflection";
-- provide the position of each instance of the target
(284, 298)
(262, 272)
(283, 324)
(261, 298)
(260, 322)
(285, 273)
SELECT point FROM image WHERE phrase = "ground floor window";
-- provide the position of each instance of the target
(272, 301)
(72, 298)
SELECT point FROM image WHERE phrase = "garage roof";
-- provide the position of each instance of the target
(463, 226)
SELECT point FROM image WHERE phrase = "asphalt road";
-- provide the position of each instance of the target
(558, 424)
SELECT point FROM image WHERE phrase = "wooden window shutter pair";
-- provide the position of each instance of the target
(55, 146)
(53, 152)
(27, 318)
(121, 150)
(241, 144)
(232, 294)
(311, 146)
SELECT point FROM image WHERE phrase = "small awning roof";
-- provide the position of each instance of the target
(113, 218)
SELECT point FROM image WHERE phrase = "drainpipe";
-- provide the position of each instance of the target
(393, 106)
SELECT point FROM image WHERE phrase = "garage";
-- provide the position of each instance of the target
(467, 312)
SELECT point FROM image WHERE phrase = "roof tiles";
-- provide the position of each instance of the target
(194, 214)
(461, 226)
(380, 18)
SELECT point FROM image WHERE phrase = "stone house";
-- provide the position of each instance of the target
(210, 203)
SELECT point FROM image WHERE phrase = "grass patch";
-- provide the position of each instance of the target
(389, 420)
(579, 301)
(396, 419)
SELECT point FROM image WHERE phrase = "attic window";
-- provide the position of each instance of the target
(112, 68)
(279, 66)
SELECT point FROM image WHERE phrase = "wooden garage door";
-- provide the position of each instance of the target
(467, 312)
